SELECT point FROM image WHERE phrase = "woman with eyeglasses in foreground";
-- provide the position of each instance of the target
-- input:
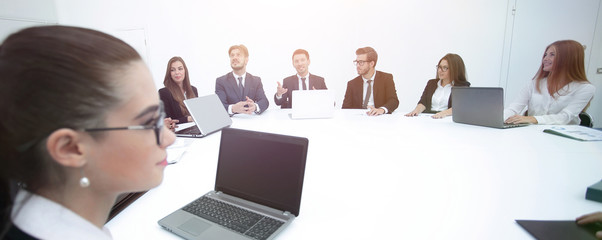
(436, 95)
(83, 123)
(558, 92)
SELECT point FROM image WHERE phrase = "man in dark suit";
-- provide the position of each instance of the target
(372, 90)
(303, 80)
(239, 91)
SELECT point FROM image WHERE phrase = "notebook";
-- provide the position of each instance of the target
(208, 114)
(482, 106)
(560, 230)
(576, 132)
(313, 104)
(258, 172)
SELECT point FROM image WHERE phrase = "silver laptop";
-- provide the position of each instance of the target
(259, 182)
(313, 104)
(208, 114)
(482, 106)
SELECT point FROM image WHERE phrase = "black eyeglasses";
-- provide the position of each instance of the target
(443, 68)
(157, 125)
(359, 62)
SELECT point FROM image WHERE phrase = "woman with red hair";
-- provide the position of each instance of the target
(558, 92)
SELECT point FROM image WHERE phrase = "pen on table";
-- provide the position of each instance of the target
(178, 159)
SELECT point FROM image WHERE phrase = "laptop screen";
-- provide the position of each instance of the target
(264, 168)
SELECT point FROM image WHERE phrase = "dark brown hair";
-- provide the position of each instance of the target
(52, 77)
(457, 70)
(568, 66)
(174, 89)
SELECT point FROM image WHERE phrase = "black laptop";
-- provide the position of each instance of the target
(257, 189)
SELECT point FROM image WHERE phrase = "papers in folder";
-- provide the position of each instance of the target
(178, 149)
(576, 132)
(559, 230)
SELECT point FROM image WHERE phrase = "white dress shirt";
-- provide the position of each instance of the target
(45, 219)
(440, 99)
(562, 108)
(301, 82)
(244, 76)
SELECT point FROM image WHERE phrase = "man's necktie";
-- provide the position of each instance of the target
(368, 93)
(240, 87)
(304, 85)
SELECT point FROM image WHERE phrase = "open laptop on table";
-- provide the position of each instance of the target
(482, 106)
(259, 182)
(313, 104)
(209, 115)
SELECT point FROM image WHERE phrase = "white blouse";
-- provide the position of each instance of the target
(45, 219)
(440, 99)
(563, 108)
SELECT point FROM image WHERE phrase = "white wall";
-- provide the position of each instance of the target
(595, 110)
(15, 15)
(499, 48)
(28, 10)
(410, 36)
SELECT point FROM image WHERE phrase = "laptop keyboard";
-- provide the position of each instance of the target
(511, 125)
(191, 130)
(237, 219)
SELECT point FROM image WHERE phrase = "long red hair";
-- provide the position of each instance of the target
(568, 66)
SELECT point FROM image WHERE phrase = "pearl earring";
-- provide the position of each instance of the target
(84, 181)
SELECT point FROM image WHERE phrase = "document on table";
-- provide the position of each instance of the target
(580, 133)
(178, 149)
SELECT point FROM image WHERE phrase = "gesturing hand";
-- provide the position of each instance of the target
(280, 90)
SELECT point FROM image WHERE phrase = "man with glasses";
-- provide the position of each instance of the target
(303, 80)
(239, 91)
(372, 90)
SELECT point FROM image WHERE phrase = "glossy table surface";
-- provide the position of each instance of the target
(396, 177)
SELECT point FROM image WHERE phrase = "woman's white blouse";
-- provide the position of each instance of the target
(440, 99)
(45, 219)
(562, 108)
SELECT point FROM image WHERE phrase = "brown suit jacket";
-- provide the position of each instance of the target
(384, 91)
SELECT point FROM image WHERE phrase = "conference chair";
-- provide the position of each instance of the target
(586, 120)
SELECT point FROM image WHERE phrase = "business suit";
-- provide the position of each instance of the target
(172, 107)
(384, 92)
(226, 88)
(292, 83)
(427, 95)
